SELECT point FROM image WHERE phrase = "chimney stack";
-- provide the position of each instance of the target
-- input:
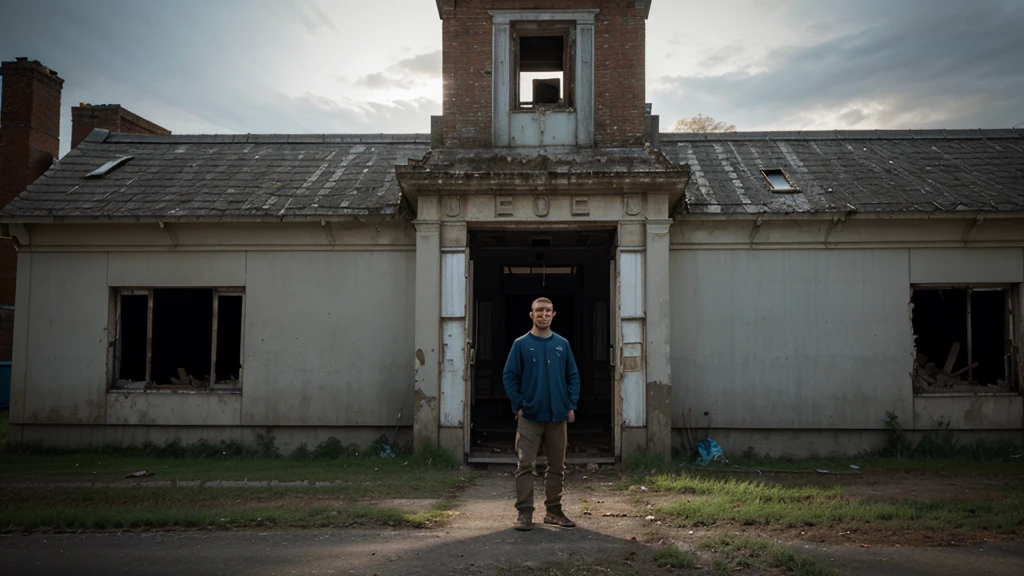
(87, 117)
(29, 142)
(29, 125)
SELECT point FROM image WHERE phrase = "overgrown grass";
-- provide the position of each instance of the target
(754, 464)
(218, 508)
(205, 461)
(731, 553)
(750, 503)
(940, 444)
(358, 493)
(95, 468)
(86, 489)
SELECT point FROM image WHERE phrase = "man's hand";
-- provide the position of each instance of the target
(572, 416)
(518, 414)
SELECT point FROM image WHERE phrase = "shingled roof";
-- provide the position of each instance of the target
(281, 177)
(243, 177)
(853, 171)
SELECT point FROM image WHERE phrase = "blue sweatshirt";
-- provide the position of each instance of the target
(541, 378)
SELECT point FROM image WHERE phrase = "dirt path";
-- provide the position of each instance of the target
(612, 538)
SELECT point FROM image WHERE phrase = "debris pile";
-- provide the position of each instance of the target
(928, 377)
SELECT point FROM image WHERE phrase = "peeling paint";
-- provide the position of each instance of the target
(425, 402)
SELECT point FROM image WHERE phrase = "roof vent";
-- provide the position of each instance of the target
(779, 181)
(109, 167)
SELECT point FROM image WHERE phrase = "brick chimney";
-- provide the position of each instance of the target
(113, 117)
(29, 127)
(29, 141)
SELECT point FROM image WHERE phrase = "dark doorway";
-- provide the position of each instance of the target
(511, 268)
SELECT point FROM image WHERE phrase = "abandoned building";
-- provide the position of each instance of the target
(781, 291)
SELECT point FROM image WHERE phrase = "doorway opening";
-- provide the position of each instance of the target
(510, 269)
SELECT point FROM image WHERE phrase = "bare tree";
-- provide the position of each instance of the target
(703, 124)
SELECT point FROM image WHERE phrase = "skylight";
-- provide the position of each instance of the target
(109, 167)
(779, 181)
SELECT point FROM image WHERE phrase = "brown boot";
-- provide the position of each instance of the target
(524, 522)
(558, 519)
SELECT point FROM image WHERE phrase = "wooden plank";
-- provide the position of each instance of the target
(953, 352)
(962, 370)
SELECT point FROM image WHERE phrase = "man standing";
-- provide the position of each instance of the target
(543, 384)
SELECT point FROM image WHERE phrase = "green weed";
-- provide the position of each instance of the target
(749, 503)
(675, 558)
(733, 553)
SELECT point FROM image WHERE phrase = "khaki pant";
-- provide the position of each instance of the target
(529, 436)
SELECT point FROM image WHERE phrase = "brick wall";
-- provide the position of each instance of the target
(29, 141)
(619, 75)
(111, 117)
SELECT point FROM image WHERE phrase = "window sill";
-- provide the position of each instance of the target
(965, 393)
(176, 390)
(544, 110)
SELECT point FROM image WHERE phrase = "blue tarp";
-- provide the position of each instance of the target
(709, 450)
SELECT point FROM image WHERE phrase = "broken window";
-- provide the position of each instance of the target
(178, 337)
(964, 339)
(779, 180)
(543, 58)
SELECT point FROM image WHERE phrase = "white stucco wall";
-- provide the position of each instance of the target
(790, 338)
(327, 336)
(816, 339)
(66, 359)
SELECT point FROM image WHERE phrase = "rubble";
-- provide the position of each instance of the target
(929, 378)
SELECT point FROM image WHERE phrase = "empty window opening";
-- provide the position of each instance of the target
(131, 345)
(544, 55)
(229, 338)
(179, 337)
(540, 89)
(779, 180)
(963, 338)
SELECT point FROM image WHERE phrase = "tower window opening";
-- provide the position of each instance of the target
(543, 56)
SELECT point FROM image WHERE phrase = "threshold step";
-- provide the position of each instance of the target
(572, 459)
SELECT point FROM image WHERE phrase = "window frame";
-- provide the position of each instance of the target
(502, 108)
(1012, 322)
(769, 172)
(114, 357)
(519, 29)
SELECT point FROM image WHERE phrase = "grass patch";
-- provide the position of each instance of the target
(673, 557)
(191, 487)
(225, 460)
(749, 503)
(959, 465)
(93, 468)
(26, 507)
(97, 509)
(731, 553)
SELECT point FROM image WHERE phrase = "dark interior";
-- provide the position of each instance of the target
(510, 270)
(940, 318)
(541, 53)
(182, 333)
(229, 337)
(132, 337)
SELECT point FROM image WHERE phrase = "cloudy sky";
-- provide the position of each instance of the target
(335, 66)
